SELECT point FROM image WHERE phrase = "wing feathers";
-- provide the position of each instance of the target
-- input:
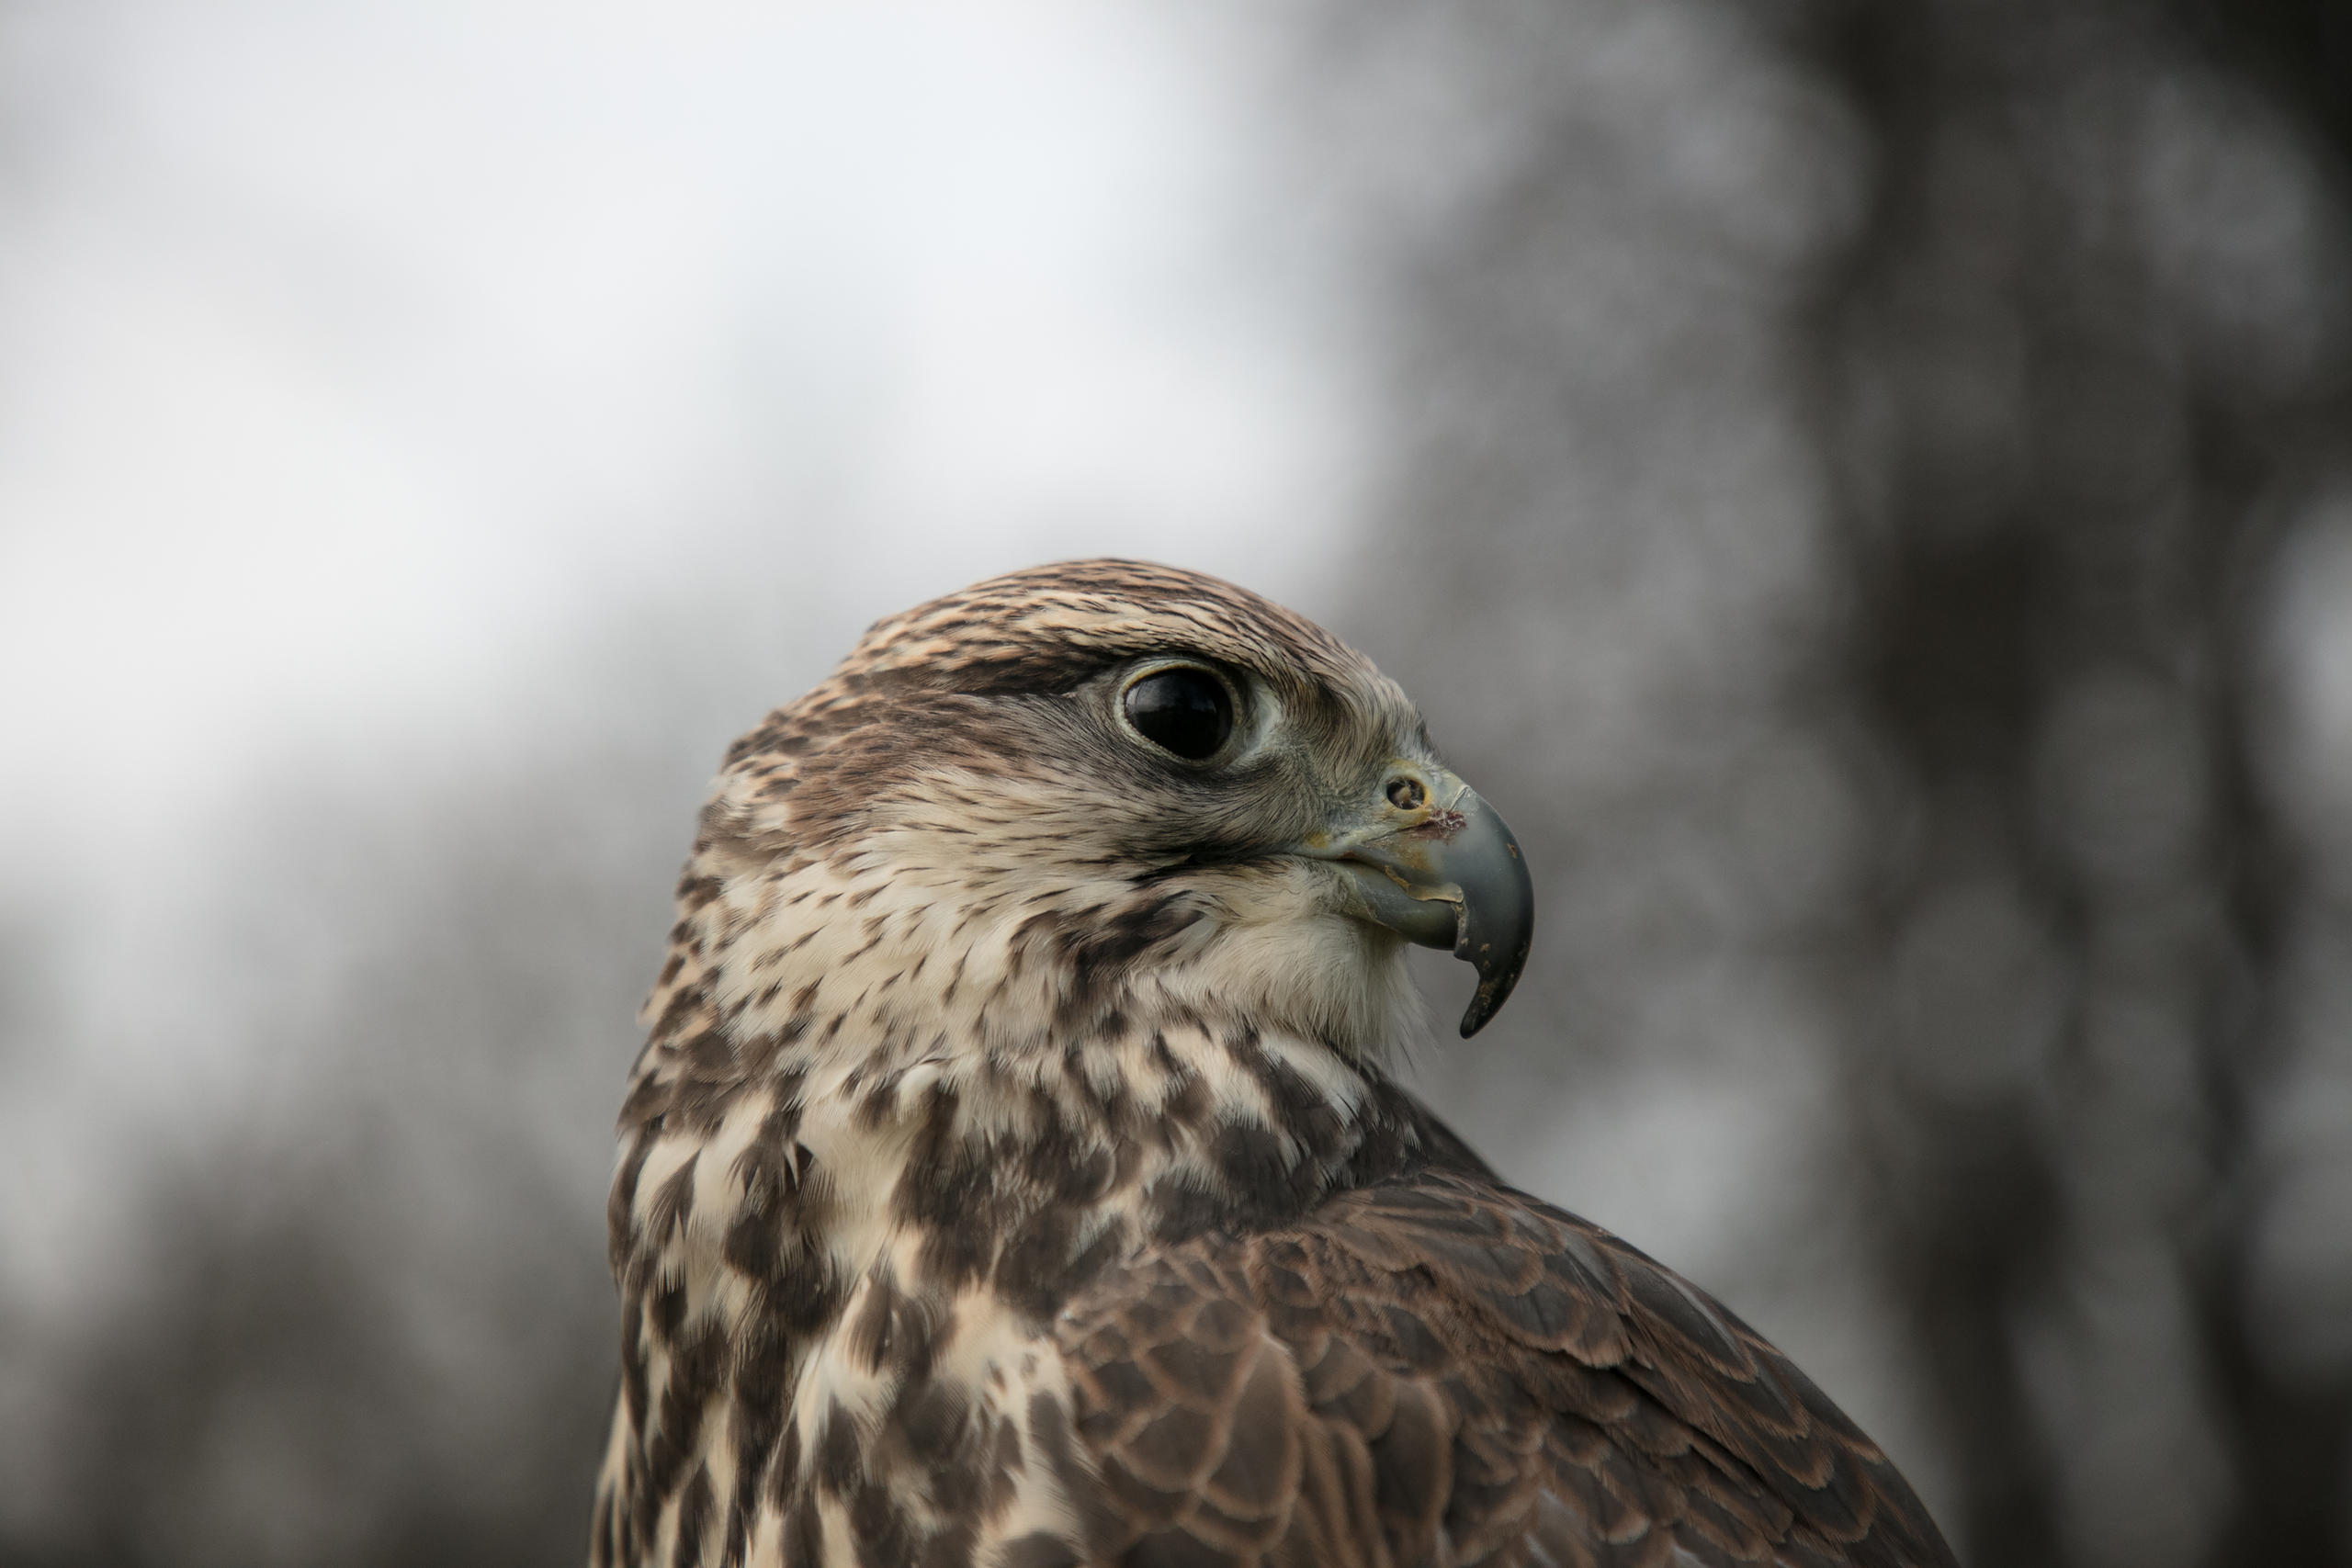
(1442, 1371)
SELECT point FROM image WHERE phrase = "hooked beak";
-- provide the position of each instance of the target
(1437, 865)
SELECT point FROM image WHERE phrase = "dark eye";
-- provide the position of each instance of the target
(1185, 711)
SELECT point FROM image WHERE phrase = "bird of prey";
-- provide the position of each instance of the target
(1015, 1175)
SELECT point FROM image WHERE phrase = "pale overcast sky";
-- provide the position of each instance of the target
(354, 358)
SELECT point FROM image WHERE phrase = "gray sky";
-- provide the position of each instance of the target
(361, 365)
(354, 356)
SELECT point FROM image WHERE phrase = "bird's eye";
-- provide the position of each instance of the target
(1185, 711)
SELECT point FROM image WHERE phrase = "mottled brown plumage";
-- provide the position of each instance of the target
(1012, 1175)
(1436, 1368)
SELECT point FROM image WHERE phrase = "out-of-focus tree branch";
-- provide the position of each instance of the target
(2068, 349)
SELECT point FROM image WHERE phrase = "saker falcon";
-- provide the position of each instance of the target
(1015, 1175)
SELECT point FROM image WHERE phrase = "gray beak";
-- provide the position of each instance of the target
(1444, 872)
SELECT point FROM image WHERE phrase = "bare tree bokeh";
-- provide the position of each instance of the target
(1867, 487)
(1897, 426)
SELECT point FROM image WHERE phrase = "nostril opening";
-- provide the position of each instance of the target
(1405, 794)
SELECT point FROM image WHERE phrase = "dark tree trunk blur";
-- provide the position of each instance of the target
(2292, 1434)
(2100, 555)
(2065, 340)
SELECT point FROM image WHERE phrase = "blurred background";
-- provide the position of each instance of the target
(1866, 487)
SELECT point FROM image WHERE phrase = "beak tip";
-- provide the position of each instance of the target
(1494, 990)
(1503, 913)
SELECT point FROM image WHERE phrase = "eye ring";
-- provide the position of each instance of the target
(1186, 711)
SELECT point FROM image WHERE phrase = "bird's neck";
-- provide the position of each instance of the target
(852, 1182)
(777, 1175)
(849, 1074)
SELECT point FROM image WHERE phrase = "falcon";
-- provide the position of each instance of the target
(1015, 1174)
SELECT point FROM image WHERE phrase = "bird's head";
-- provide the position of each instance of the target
(1092, 789)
